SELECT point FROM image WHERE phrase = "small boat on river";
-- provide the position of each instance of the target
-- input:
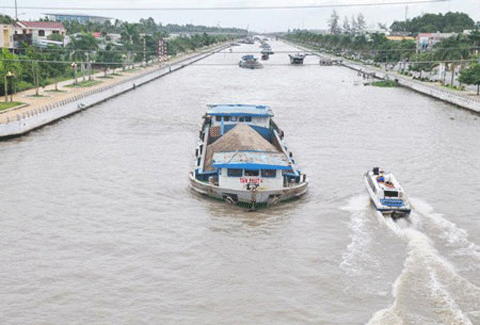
(297, 58)
(250, 62)
(386, 194)
(242, 158)
(267, 50)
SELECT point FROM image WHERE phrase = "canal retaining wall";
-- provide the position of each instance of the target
(30, 119)
(459, 98)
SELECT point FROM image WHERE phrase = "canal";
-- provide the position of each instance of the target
(98, 224)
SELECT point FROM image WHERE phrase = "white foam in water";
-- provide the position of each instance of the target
(445, 296)
(451, 236)
(446, 307)
(357, 250)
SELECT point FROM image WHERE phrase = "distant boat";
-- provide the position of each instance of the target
(297, 58)
(266, 49)
(242, 157)
(250, 62)
(386, 194)
(325, 61)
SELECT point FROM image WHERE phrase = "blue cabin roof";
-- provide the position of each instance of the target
(248, 57)
(251, 160)
(239, 110)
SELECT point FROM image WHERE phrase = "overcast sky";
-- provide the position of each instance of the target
(259, 20)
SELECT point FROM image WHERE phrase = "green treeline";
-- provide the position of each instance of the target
(33, 66)
(460, 49)
(432, 23)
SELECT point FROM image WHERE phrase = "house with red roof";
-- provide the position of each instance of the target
(39, 30)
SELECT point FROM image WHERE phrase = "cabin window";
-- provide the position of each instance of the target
(226, 118)
(241, 119)
(251, 172)
(218, 118)
(233, 118)
(234, 172)
(391, 193)
(269, 173)
(198, 161)
(248, 118)
(41, 33)
(201, 149)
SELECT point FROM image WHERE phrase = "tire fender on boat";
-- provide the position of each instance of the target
(273, 201)
(229, 200)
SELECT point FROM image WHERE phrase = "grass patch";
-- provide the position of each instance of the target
(37, 96)
(7, 105)
(56, 91)
(385, 83)
(86, 83)
(132, 70)
(462, 88)
(106, 77)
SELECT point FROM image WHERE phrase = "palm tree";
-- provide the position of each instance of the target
(450, 51)
(80, 44)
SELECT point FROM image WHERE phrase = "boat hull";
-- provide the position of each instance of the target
(250, 65)
(267, 197)
(387, 211)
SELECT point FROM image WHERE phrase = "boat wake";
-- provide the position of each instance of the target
(433, 288)
(360, 248)
(362, 261)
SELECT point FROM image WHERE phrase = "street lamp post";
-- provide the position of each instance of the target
(74, 67)
(8, 75)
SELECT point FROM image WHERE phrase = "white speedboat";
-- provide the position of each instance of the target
(250, 62)
(242, 157)
(386, 193)
(267, 50)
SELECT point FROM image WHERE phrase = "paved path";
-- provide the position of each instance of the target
(468, 97)
(49, 97)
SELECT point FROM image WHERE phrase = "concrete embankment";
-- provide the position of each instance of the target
(464, 99)
(459, 98)
(40, 112)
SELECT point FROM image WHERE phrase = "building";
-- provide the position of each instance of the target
(426, 41)
(6, 36)
(39, 31)
(80, 18)
(12, 36)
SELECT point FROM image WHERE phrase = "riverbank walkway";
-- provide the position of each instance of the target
(467, 98)
(68, 91)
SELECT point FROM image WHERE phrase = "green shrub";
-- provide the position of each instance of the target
(23, 85)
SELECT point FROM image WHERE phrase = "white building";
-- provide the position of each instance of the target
(39, 30)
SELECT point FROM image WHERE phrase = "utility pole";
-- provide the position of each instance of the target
(406, 19)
